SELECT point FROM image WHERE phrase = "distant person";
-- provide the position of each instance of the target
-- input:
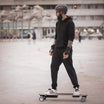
(34, 35)
(79, 34)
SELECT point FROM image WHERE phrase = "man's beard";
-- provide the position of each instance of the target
(59, 17)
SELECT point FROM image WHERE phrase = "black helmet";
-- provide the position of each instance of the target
(61, 7)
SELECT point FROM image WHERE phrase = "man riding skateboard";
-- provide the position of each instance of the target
(61, 49)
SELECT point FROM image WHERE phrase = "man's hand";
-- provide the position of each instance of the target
(66, 53)
(51, 52)
(65, 56)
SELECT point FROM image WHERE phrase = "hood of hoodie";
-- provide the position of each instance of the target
(67, 19)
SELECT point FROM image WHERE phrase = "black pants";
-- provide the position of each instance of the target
(57, 59)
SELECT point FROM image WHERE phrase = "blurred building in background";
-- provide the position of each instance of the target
(19, 18)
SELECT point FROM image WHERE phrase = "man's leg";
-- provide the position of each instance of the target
(56, 61)
(68, 63)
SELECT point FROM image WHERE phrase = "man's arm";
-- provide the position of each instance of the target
(71, 33)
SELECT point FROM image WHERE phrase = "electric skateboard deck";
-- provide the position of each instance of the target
(44, 96)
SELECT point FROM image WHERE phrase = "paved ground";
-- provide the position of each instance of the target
(25, 72)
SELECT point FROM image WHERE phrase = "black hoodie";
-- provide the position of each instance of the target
(65, 30)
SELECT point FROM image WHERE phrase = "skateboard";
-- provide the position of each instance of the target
(44, 96)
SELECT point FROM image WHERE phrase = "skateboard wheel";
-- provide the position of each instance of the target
(42, 98)
(83, 99)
